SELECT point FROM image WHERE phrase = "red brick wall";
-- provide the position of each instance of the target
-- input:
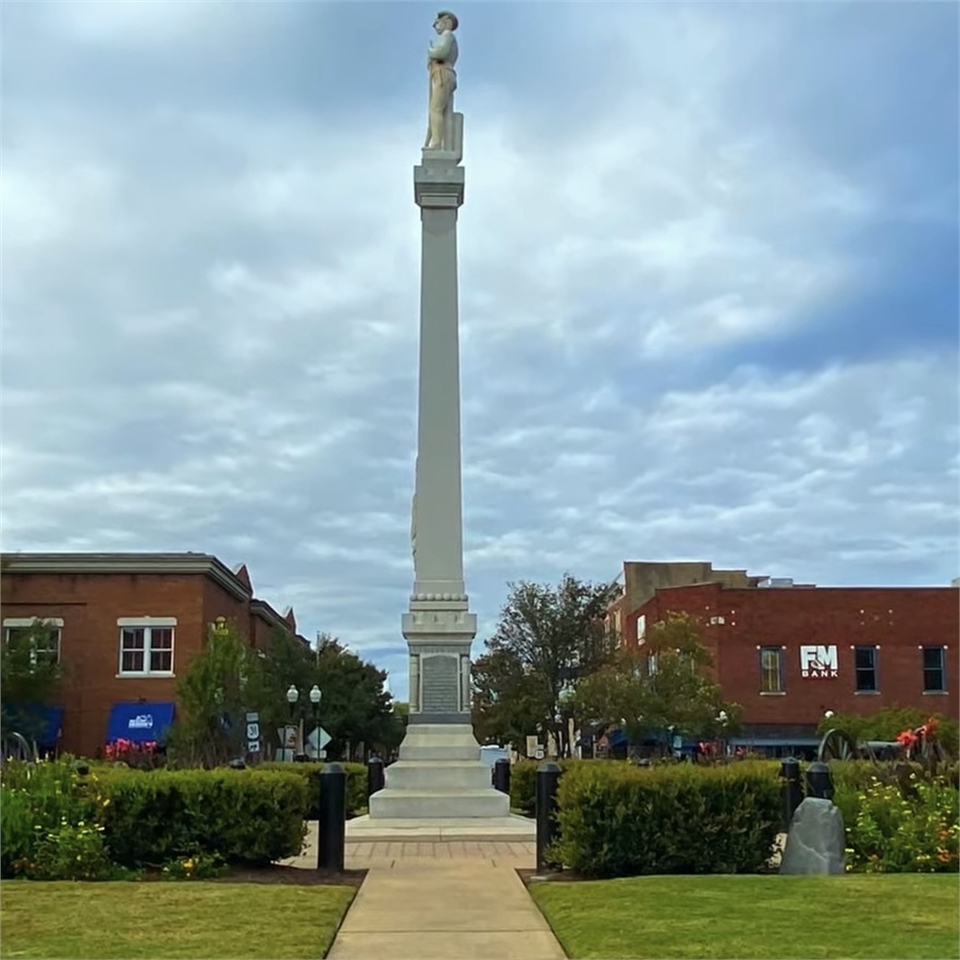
(898, 619)
(90, 605)
(218, 603)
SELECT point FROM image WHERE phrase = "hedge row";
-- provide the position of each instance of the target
(523, 782)
(150, 818)
(618, 820)
(358, 795)
(247, 816)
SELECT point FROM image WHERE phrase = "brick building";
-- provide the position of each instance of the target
(124, 626)
(789, 652)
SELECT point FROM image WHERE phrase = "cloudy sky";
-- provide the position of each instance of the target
(709, 291)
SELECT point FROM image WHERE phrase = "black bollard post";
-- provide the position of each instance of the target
(332, 827)
(548, 779)
(501, 775)
(376, 778)
(819, 781)
(791, 790)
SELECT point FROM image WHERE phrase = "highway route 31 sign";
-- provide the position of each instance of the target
(253, 732)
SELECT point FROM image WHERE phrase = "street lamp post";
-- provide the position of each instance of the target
(315, 697)
(723, 720)
(293, 695)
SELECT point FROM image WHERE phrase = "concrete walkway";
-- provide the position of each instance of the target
(458, 900)
(444, 908)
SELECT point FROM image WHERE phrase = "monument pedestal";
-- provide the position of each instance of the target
(439, 776)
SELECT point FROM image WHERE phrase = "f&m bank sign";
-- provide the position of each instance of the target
(817, 661)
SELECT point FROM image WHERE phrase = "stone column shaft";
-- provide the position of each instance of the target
(439, 629)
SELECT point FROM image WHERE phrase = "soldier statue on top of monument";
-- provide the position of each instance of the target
(441, 61)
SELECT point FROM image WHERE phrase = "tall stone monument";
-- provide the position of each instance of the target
(439, 775)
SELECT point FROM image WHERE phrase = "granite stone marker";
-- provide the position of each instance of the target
(815, 841)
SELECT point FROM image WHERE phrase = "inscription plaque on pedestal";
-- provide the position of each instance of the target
(440, 683)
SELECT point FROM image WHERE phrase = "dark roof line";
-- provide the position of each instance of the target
(93, 563)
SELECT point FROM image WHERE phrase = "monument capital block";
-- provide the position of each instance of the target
(435, 186)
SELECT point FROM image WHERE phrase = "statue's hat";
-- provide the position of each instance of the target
(452, 16)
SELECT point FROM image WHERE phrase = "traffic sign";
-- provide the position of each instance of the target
(253, 746)
(253, 731)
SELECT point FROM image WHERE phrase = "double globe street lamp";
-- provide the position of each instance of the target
(723, 719)
(293, 695)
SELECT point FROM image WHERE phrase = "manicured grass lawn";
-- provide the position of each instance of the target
(895, 916)
(168, 920)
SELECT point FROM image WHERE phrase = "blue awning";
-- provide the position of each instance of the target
(139, 722)
(37, 722)
(42, 724)
(616, 738)
(53, 726)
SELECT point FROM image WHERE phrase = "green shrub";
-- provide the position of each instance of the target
(17, 835)
(523, 786)
(523, 782)
(51, 813)
(36, 801)
(241, 816)
(856, 774)
(900, 827)
(198, 867)
(617, 820)
(71, 852)
(357, 798)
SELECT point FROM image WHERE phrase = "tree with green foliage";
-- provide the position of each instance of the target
(666, 683)
(507, 699)
(356, 709)
(220, 684)
(548, 639)
(285, 661)
(30, 674)
(229, 678)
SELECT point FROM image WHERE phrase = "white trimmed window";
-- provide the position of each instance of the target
(146, 646)
(44, 633)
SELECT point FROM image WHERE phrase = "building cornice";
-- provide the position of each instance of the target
(263, 609)
(131, 563)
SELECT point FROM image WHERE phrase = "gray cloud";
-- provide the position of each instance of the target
(210, 309)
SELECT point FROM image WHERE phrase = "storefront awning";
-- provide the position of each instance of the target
(139, 722)
(613, 738)
(53, 726)
(37, 722)
(46, 725)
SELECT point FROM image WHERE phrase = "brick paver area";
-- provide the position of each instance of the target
(515, 854)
